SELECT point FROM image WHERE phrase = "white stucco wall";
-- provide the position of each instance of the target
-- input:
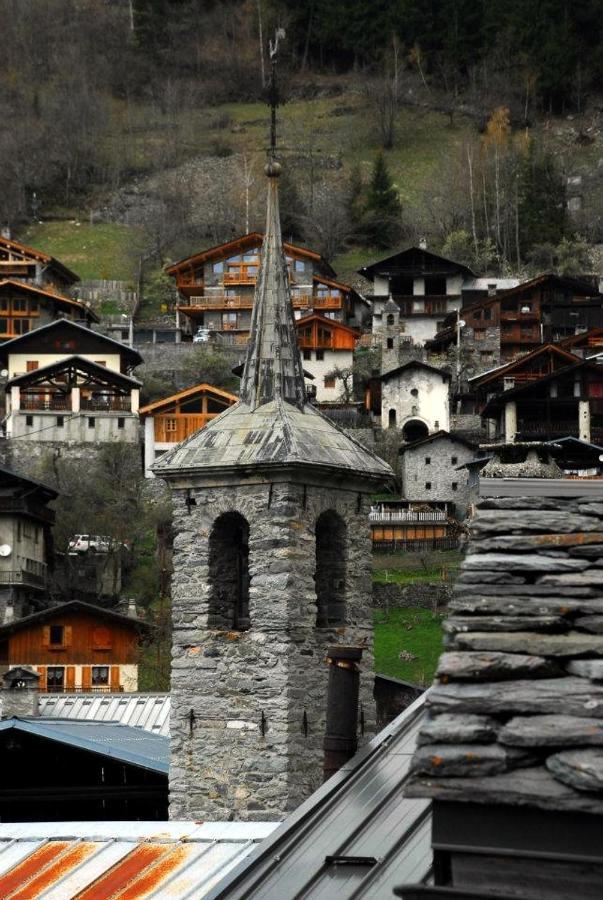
(420, 328)
(430, 406)
(332, 358)
(17, 362)
(26, 540)
(75, 426)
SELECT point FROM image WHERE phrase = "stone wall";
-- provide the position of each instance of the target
(30, 458)
(241, 746)
(440, 473)
(421, 595)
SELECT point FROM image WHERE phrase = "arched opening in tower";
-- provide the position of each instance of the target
(229, 573)
(415, 430)
(391, 419)
(390, 320)
(331, 552)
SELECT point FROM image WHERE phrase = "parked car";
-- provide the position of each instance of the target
(82, 543)
(201, 336)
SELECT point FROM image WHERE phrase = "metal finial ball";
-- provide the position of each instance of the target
(273, 169)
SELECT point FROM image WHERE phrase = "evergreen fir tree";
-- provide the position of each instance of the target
(542, 203)
(382, 224)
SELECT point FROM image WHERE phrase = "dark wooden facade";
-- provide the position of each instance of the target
(34, 266)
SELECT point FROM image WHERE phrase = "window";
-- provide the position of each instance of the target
(171, 425)
(229, 573)
(329, 382)
(428, 485)
(454, 460)
(414, 392)
(428, 460)
(21, 326)
(390, 319)
(33, 306)
(330, 574)
(101, 362)
(390, 343)
(29, 421)
(477, 314)
(299, 265)
(479, 334)
(121, 422)
(487, 313)
(455, 485)
(60, 421)
(4, 325)
(392, 418)
(218, 268)
(100, 675)
(55, 678)
(57, 635)
(320, 355)
(436, 424)
(90, 421)
(19, 305)
(307, 354)
(4, 303)
(31, 365)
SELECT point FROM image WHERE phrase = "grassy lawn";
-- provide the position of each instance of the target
(417, 632)
(92, 251)
(404, 568)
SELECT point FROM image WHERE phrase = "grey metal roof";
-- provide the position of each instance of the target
(62, 860)
(357, 836)
(131, 745)
(272, 425)
(148, 711)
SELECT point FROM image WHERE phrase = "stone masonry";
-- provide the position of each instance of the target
(224, 762)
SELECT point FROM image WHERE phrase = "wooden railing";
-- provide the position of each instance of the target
(241, 277)
(436, 515)
(329, 302)
(111, 403)
(219, 301)
(174, 428)
(59, 402)
(311, 344)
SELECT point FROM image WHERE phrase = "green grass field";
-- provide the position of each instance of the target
(414, 631)
(104, 251)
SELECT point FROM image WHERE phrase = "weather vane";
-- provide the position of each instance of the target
(273, 94)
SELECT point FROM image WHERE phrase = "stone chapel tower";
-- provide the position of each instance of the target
(271, 566)
(390, 336)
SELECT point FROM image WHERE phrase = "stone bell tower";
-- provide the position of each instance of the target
(271, 567)
(390, 336)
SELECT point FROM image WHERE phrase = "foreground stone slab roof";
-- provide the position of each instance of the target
(516, 713)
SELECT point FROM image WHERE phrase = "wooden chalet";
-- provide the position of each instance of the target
(33, 266)
(543, 361)
(325, 345)
(216, 287)
(414, 525)
(172, 419)
(545, 309)
(68, 383)
(586, 343)
(25, 540)
(25, 307)
(75, 647)
(566, 403)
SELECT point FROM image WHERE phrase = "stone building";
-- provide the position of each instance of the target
(414, 398)
(429, 470)
(271, 567)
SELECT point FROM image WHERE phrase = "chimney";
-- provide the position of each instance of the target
(9, 613)
(20, 694)
(423, 243)
(132, 613)
(6, 232)
(340, 741)
(492, 290)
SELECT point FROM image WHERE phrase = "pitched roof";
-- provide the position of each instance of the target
(356, 837)
(72, 606)
(414, 364)
(16, 344)
(576, 339)
(129, 745)
(272, 426)
(48, 294)
(148, 711)
(329, 323)
(501, 398)
(83, 365)
(176, 859)
(436, 436)
(580, 287)
(9, 478)
(390, 262)
(490, 374)
(245, 241)
(203, 388)
(40, 255)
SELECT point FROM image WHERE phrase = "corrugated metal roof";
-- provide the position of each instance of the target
(130, 745)
(357, 836)
(148, 711)
(129, 860)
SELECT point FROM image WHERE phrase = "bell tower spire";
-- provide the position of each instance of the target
(273, 366)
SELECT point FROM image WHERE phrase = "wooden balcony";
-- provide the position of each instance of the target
(171, 429)
(217, 301)
(111, 403)
(312, 344)
(41, 402)
(332, 301)
(243, 276)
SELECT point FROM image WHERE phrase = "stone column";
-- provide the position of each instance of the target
(75, 399)
(135, 399)
(149, 445)
(584, 420)
(510, 421)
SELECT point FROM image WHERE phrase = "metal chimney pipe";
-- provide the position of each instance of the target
(341, 740)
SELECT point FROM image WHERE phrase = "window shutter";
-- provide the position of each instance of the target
(67, 636)
(86, 678)
(101, 638)
(46, 636)
(115, 678)
(42, 674)
(70, 678)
